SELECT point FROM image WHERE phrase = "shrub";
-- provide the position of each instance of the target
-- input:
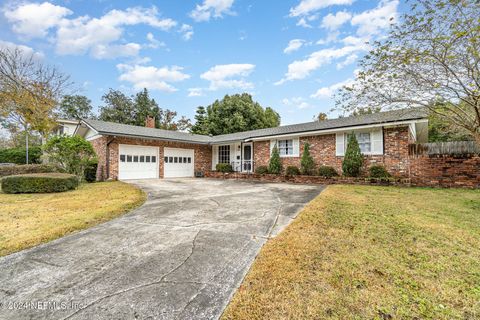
(224, 167)
(327, 171)
(275, 164)
(72, 153)
(292, 171)
(90, 173)
(261, 170)
(18, 155)
(27, 168)
(378, 171)
(307, 165)
(353, 160)
(39, 183)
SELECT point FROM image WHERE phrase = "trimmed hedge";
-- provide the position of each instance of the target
(261, 170)
(327, 171)
(292, 171)
(27, 168)
(224, 167)
(378, 171)
(90, 172)
(39, 183)
(18, 155)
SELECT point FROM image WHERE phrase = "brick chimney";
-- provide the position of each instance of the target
(150, 122)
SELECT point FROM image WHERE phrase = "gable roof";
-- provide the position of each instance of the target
(118, 129)
(338, 123)
(111, 128)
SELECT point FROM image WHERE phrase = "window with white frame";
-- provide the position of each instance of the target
(285, 147)
(364, 141)
(224, 154)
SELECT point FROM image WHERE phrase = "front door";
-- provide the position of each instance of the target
(247, 155)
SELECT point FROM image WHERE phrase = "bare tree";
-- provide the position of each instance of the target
(29, 91)
(430, 59)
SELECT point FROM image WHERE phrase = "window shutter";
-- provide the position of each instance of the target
(377, 141)
(272, 144)
(340, 144)
(296, 147)
(214, 157)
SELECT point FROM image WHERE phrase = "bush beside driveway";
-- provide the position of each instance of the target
(359, 252)
(27, 220)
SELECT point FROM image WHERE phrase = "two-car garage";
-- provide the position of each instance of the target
(142, 162)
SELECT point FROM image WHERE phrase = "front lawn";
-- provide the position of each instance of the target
(30, 219)
(362, 252)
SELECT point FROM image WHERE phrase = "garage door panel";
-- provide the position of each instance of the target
(178, 163)
(138, 162)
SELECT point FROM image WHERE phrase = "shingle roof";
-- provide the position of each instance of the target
(110, 128)
(367, 119)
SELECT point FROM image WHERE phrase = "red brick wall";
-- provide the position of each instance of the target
(445, 170)
(322, 149)
(202, 153)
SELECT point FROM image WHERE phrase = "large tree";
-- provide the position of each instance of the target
(431, 57)
(234, 113)
(118, 108)
(29, 92)
(134, 110)
(75, 107)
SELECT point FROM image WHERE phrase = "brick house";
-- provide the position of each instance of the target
(133, 152)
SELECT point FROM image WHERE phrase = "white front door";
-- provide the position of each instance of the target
(178, 163)
(137, 162)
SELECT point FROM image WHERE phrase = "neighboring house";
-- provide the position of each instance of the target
(66, 127)
(133, 152)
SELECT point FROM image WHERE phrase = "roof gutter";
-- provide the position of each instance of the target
(340, 129)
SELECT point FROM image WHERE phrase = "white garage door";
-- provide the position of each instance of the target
(137, 162)
(178, 163)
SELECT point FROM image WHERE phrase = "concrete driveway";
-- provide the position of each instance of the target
(179, 256)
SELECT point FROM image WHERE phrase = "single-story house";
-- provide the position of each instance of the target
(135, 152)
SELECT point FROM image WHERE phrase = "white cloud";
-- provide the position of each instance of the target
(33, 19)
(153, 42)
(328, 92)
(26, 51)
(211, 8)
(98, 36)
(187, 31)
(294, 45)
(151, 77)
(220, 76)
(300, 69)
(305, 7)
(348, 61)
(303, 23)
(335, 21)
(195, 92)
(297, 102)
(375, 21)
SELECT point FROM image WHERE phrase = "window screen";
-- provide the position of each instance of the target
(285, 147)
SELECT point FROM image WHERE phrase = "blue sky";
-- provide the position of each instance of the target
(290, 55)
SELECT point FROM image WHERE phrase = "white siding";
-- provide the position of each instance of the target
(296, 147)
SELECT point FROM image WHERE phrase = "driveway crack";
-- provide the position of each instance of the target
(161, 280)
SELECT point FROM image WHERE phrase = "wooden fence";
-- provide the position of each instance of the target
(444, 148)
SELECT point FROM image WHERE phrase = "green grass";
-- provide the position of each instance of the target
(362, 252)
(27, 220)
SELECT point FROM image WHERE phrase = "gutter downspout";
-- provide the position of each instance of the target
(107, 156)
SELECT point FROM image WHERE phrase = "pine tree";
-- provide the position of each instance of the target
(275, 165)
(307, 165)
(201, 125)
(353, 160)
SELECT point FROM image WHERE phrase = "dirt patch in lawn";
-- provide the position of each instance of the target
(359, 252)
(27, 220)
